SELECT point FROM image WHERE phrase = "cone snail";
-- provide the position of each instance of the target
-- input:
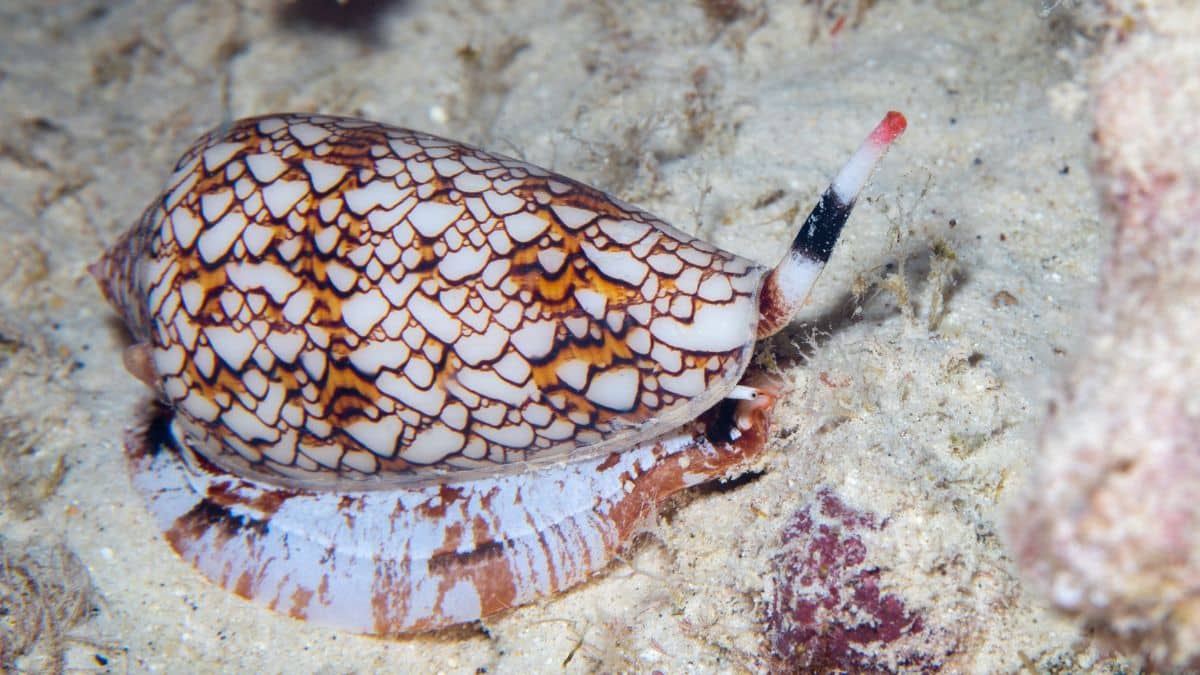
(407, 383)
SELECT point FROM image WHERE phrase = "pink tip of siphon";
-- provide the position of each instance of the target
(853, 176)
(889, 129)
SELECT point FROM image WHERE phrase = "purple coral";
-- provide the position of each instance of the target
(828, 612)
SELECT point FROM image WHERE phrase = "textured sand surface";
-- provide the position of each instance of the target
(919, 373)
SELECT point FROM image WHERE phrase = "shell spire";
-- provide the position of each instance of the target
(786, 288)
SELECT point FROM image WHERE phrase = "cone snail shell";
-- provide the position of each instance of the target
(408, 383)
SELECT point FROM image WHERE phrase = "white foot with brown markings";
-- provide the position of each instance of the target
(413, 383)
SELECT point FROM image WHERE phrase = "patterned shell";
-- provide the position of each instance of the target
(330, 299)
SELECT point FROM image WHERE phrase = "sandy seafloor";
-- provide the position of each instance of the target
(917, 399)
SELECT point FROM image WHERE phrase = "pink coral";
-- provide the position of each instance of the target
(1110, 529)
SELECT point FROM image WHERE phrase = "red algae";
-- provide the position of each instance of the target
(829, 610)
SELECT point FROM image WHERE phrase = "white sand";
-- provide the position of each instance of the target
(925, 417)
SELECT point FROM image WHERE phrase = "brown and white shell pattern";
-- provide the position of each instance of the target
(327, 298)
(372, 342)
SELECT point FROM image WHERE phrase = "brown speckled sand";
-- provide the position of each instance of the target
(975, 255)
